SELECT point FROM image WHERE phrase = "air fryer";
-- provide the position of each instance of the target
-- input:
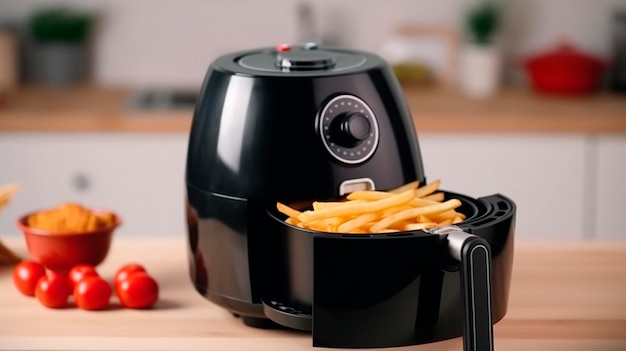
(295, 124)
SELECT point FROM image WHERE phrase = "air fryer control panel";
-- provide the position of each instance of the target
(308, 59)
(348, 129)
(305, 60)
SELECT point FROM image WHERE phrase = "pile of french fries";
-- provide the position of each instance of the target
(408, 207)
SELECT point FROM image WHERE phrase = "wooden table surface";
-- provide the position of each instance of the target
(565, 296)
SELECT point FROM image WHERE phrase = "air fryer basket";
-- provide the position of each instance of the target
(383, 290)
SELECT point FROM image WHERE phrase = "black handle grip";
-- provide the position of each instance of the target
(476, 287)
(474, 254)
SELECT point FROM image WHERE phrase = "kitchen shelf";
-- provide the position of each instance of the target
(105, 109)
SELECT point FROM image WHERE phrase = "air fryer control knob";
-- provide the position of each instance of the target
(348, 129)
(304, 60)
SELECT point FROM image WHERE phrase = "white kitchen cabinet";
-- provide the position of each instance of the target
(610, 190)
(141, 176)
(565, 186)
(545, 174)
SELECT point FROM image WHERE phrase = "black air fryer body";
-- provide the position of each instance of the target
(306, 123)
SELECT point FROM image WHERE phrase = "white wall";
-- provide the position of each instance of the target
(147, 42)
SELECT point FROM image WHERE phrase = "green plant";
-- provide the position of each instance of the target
(482, 22)
(60, 25)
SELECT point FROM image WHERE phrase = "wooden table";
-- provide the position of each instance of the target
(565, 296)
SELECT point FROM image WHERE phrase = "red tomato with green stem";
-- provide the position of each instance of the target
(92, 293)
(53, 290)
(26, 274)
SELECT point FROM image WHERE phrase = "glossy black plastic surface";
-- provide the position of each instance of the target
(407, 280)
(475, 270)
(385, 290)
(255, 140)
(255, 137)
(298, 62)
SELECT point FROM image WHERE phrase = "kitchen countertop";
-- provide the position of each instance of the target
(568, 296)
(96, 109)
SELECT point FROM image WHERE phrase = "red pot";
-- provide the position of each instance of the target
(565, 70)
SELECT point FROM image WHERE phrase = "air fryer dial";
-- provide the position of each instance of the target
(348, 129)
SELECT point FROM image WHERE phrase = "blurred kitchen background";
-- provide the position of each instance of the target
(171, 43)
(103, 120)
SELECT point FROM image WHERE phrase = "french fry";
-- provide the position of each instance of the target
(414, 212)
(408, 186)
(292, 221)
(320, 205)
(427, 189)
(368, 195)
(424, 219)
(358, 208)
(445, 222)
(368, 225)
(389, 231)
(420, 226)
(357, 222)
(358, 231)
(439, 197)
(395, 209)
(400, 225)
(447, 215)
(325, 225)
(286, 210)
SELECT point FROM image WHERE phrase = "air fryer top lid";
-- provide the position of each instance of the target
(304, 60)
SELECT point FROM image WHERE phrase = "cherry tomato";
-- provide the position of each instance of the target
(25, 276)
(53, 289)
(80, 271)
(125, 271)
(139, 290)
(92, 293)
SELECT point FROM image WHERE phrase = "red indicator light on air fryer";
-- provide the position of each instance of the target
(283, 47)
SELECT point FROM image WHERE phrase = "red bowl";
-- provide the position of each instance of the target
(62, 251)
